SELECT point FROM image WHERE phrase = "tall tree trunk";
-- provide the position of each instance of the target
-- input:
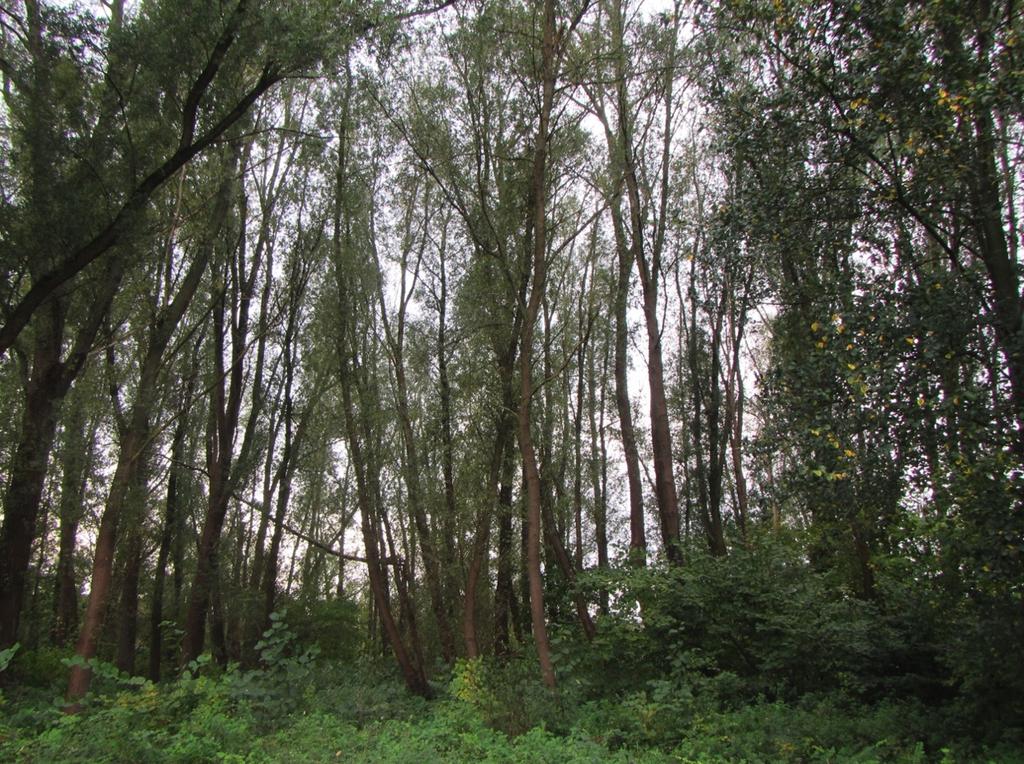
(577, 429)
(412, 463)
(45, 389)
(29, 464)
(413, 674)
(504, 593)
(478, 554)
(135, 442)
(538, 224)
(172, 511)
(599, 463)
(225, 409)
(620, 299)
(297, 281)
(449, 517)
(631, 456)
(647, 256)
(349, 371)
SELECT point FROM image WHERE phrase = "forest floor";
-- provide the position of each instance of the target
(304, 711)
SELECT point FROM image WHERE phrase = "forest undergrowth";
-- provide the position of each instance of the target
(755, 661)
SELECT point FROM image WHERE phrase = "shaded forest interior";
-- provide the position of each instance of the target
(629, 380)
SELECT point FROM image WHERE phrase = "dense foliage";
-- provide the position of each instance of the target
(552, 380)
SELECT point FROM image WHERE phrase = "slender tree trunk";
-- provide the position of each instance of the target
(447, 524)
(637, 533)
(504, 593)
(481, 538)
(577, 429)
(735, 402)
(135, 442)
(647, 256)
(348, 373)
(226, 407)
(298, 280)
(413, 674)
(128, 625)
(78, 453)
(599, 465)
(168, 531)
(431, 559)
(538, 224)
(627, 434)
(661, 434)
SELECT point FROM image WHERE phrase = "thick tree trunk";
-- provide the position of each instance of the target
(49, 383)
(46, 388)
(132, 445)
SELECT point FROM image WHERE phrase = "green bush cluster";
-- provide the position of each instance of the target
(754, 659)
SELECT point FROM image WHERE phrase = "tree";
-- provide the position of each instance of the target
(643, 171)
(135, 439)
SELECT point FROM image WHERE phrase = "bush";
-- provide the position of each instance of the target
(509, 696)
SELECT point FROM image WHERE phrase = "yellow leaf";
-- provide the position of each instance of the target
(815, 326)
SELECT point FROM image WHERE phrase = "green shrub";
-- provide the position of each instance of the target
(509, 696)
(333, 626)
(285, 675)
